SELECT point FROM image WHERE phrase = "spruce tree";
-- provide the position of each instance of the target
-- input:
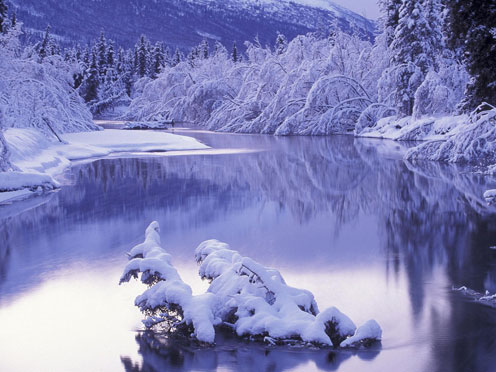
(3, 17)
(14, 19)
(142, 57)
(158, 60)
(110, 55)
(234, 54)
(391, 17)
(101, 49)
(178, 57)
(92, 81)
(415, 49)
(471, 26)
(45, 45)
(204, 49)
(281, 44)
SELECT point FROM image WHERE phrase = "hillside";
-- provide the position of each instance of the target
(184, 23)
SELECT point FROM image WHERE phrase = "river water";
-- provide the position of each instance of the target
(345, 218)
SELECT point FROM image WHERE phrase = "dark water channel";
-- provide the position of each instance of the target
(345, 218)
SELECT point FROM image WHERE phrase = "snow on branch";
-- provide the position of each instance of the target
(252, 300)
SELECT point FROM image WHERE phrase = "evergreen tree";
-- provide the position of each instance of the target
(391, 17)
(14, 19)
(101, 49)
(178, 57)
(167, 57)
(44, 47)
(78, 54)
(281, 44)
(471, 26)
(142, 57)
(204, 49)
(3, 17)
(158, 60)
(110, 55)
(86, 56)
(415, 49)
(92, 81)
(234, 54)
(128, 69)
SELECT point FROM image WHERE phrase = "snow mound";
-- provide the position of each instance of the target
(252, 300)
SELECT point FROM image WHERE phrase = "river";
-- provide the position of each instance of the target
(345, 218)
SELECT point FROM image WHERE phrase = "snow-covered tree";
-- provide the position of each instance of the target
(110, 58)
(281, 44)
(472, 27)
(415, 48)
(92, 81)
(3, 17)
(101, 55)
(390, 17)
(234, 53)
(142, 56)
(45, 46)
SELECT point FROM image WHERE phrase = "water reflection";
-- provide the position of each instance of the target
(161, 354)
(345, 218)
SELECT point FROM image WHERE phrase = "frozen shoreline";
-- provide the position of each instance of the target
(39, 160)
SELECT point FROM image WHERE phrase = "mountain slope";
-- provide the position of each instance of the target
(184, 23)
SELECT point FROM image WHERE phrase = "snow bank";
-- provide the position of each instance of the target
(410, 129)
(38, 159)
(486, 298)
(147, 125)
(474, 144)
(252, 300)
(490, 197)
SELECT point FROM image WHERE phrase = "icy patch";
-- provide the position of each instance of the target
(252, 300)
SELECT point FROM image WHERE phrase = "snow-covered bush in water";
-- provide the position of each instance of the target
(475, 144)
(243, 295)
(36, 95)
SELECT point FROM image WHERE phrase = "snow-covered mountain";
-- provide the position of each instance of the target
(184, 23)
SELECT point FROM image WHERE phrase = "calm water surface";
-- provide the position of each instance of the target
(344, 218)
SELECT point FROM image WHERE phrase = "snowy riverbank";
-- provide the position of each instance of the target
(38, 160)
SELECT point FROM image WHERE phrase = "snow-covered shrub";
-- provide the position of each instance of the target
(243, 295)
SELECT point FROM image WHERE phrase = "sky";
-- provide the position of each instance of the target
(367, 8)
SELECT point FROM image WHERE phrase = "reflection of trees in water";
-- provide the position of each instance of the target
(162, 354)
(4, 249)
(428, 213)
